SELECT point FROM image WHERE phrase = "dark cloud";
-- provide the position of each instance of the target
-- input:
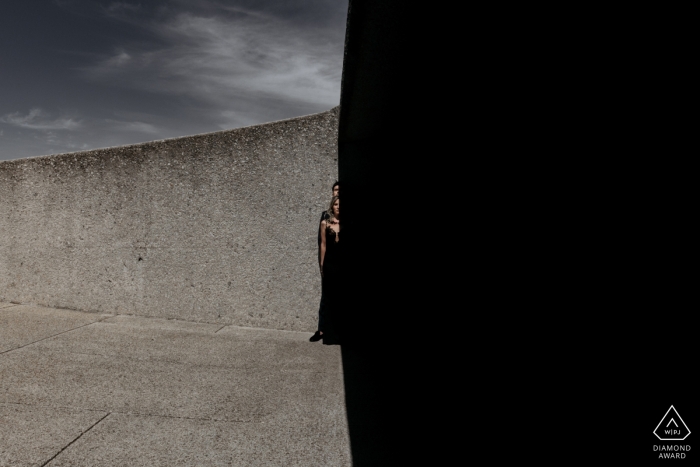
(126, 72)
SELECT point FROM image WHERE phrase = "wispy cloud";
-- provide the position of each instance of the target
(47, 135)
(139, 127)
(133, 71)
(38, 119)
(120, 59)
(225, 60)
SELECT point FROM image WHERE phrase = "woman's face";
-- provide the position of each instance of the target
(336, 208)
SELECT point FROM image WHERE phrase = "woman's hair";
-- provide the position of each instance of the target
(331, 215)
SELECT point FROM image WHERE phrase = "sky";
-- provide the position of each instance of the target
(78, 75)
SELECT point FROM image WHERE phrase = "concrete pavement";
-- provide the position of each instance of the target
(88, 389)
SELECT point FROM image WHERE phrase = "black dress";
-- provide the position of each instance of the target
(332, 279)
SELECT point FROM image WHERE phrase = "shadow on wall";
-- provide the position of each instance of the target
(394, 314)
(489, 269)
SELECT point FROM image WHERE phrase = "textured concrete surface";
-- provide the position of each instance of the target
(216, 228)
(33, 435)
(130, 390)
(21, 325)
(126, 440)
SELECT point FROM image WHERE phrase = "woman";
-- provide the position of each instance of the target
(324, 216)
(329, 262)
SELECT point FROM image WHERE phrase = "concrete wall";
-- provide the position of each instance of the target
(219, 227)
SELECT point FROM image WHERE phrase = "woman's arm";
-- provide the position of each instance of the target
(323, 217)
(322, 254)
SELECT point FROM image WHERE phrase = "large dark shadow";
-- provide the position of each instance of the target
(504, 185)
(389, 154)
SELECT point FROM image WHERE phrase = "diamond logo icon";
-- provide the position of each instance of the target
(671, 427)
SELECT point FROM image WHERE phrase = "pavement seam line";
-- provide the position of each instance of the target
(76, 439)
(169, 319)
(134, 315)
(139, 414)
(165, 360)
(49, 337)
(63, 407)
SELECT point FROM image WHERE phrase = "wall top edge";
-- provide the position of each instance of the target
(335, 109)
